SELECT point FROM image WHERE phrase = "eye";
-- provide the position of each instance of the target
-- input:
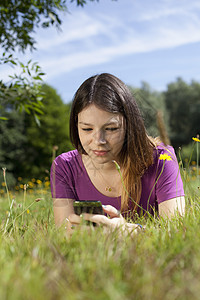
(112, 128)
(86, 129)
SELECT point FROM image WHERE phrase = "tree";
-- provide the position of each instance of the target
(24, 90)
(53, 131)
(18, 21)
(26, 149)
(150, 102)
(183, 105)
(12, 144)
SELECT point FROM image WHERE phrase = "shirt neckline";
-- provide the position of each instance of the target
(85, 171)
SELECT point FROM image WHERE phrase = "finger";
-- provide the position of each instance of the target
(111, 211)
(69, 227)
(99, 219)
(132, 226)
(75, 219)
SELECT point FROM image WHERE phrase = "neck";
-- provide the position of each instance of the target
(103, 167)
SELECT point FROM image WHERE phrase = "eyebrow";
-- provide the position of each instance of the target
(106, 124)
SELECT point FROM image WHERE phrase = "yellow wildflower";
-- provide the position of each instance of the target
(196, 139)
(39, 181)
(3, 184)
(165, 157)
(30, 184)
(28, 211)
(47, 184)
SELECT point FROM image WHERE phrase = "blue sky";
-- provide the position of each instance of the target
(137, 40)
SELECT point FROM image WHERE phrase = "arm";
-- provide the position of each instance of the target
(169, 187)
(170, 207)
(62, 189)
(62, 209)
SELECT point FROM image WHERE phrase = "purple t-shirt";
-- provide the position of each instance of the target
(161, 182)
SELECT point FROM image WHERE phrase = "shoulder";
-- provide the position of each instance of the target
(68, 162)
(169, 184)
(164, 152)
(67, 165)
(67, 157)
(166, 161)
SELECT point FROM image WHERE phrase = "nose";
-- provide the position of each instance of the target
(99, 137)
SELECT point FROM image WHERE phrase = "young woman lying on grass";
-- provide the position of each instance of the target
(107, 130)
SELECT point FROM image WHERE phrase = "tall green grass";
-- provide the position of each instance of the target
(38, 261)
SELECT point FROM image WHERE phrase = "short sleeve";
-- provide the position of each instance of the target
(169, 183)
(61, 179)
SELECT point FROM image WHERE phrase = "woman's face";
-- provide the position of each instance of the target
(101, 133)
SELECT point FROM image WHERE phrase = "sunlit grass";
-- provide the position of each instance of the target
(38, 261)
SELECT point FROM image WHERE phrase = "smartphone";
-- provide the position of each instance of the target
(90, 207)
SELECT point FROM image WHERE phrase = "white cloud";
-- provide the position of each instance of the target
(75, 29)
(167, 8)
(130, 43)
(91, 39)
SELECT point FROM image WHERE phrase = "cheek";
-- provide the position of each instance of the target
(84, 139)
(118, 138)
(81, 137)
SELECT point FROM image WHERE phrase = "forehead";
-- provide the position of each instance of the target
(93, 114)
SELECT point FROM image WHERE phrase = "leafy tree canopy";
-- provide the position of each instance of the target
(26, 149)
(150, 102)
(19, 19)
(12, 142)
(183, 104)
(53, 131)
(23, 91)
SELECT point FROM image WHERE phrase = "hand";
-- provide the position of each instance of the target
(115, 217)
(72, 221)
(115, 221)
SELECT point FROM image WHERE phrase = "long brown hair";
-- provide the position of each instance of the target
(111, 94)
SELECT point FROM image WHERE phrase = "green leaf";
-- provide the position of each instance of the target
(37, 78)
(13, 62)
(37, 120)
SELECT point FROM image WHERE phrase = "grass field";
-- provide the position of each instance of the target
(38, 261)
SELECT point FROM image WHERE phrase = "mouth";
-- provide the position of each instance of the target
(100, 152)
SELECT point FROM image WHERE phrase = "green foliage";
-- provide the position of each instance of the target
(18, 22)
(82, 2)
(26, 148)
(150, 102)
(183, 105)
(53, 131)
(19, 19)
(189, 153)
(12, 143)
(23, 92)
